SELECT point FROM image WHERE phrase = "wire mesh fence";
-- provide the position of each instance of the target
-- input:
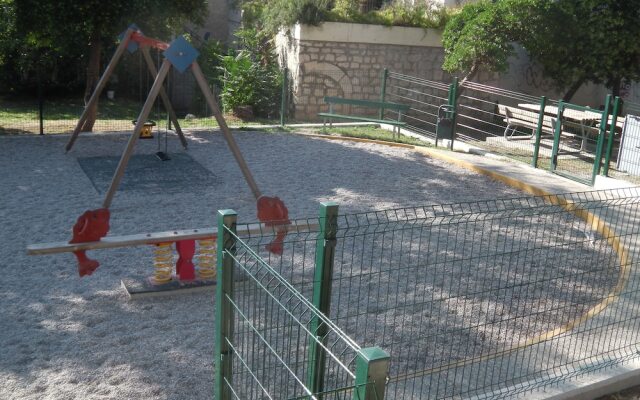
(275, 344)
(493, 298)
(579, 140)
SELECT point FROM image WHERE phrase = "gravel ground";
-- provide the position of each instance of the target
(69, 338)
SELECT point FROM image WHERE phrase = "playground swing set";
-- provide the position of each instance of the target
(91, 229)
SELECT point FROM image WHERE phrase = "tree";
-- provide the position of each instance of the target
(588, 41)
(483, 33)
(81, 30)
(574, 41)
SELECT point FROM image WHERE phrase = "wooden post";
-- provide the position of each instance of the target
(101, 84)
(163, 95)
(211, 101)
(142, 118)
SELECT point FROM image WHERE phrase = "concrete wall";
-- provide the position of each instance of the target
(222, 20)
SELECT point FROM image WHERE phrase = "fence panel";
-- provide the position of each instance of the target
(472, 298)
(578, 141)
(490, 299)
(268, 344)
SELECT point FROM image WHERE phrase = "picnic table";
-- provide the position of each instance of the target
(586, 120)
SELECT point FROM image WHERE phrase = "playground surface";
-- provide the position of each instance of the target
(66, 337)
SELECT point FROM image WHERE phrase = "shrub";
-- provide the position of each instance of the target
(251, 76)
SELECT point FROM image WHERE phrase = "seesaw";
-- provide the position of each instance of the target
(91, 228)
(188, 276)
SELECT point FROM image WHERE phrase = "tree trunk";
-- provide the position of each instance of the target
(93, 75)
(616, 83)
(472, 74)
(573, 89)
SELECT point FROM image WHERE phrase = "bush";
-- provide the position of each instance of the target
(423, 15)
(251, 76)
(272, 15)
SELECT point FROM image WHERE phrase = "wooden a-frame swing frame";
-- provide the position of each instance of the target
(157, 89)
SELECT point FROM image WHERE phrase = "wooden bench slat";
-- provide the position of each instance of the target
(367, 103)
(365, 119)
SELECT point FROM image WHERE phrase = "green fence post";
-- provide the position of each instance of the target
(372, 369)
(556, 137)
(283, 100)
(612, 133)
(224, 318)
(453, 102)
(597, 162)
(325, 251)
(383, 90)
(536, 147)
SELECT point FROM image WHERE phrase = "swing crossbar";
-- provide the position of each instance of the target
(142, 239)
(147, 41)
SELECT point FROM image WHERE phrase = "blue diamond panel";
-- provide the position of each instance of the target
(181, 54)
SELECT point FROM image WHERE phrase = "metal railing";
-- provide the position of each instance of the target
(491, 298)
(424, 96)
(483, 121)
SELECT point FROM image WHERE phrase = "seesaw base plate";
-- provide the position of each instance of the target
(141, 288)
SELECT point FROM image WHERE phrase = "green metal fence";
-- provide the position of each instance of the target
(491, 298)
(580, 138)
(424, 96)
(273, 343)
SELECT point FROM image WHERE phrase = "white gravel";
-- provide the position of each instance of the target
(63, 337)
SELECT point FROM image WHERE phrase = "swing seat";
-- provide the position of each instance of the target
(146, 132)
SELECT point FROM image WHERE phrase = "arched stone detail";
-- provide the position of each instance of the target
(331, 71)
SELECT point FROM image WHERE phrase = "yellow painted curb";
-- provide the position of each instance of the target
(358, 140)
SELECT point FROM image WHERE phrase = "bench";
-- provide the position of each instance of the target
(379, 105)
(519, 118)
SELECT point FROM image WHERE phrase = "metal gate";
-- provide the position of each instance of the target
(629, 153)
(578, 140)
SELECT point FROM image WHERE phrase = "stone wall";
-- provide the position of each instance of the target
(351, 67)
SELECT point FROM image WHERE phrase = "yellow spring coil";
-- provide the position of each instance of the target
(163, 263)
(207, 259)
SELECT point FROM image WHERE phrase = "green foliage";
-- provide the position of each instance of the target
(588, 41)
(49, 40)
(209, 59)
(251, 76)
(483, 33)
(421, 15)
(271, 16)
(574, 41)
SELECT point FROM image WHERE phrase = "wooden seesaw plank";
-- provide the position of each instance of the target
(110, 242)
